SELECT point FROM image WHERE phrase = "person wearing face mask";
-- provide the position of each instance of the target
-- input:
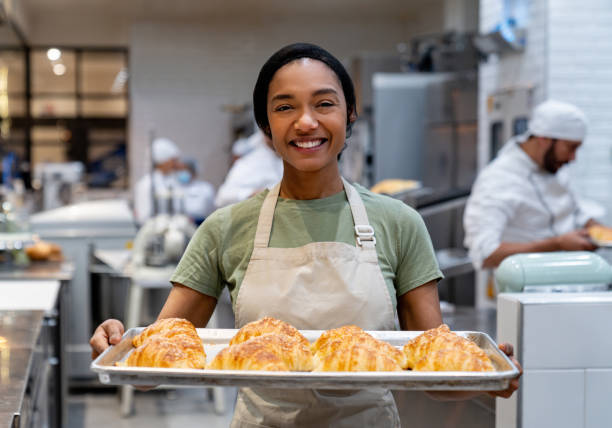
(197, 196)
(521, 202)
(154, 192)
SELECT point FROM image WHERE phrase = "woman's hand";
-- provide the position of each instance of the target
(108, 333)
(508, 349)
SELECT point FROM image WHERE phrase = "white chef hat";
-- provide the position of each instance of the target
(164, 150)
(555, 119)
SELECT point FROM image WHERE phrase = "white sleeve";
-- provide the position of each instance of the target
(243, 179)
(231, 192)
(142, 199)
(489, 208)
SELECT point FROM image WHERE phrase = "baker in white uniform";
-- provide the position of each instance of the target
(198, 196)
(257, 170)
(155, 192)
(521, 202)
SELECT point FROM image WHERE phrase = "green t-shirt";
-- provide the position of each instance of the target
(221, 248)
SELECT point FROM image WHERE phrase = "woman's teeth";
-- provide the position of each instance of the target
(308, 144)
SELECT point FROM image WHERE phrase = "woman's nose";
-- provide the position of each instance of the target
(306, 121)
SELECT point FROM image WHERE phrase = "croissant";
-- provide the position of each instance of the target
(267, 352)
(334, 339)
(182, 351)
(454, 360)
(264, 326)
(440, 349)
(600, 233)
(167, 327)
(354, 357)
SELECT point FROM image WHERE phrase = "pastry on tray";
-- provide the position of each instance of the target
(170, 343)
(601, 233)
(353, 357)
(346, 336)
(44, 251)
(439, 349)
(270, 351)
(178, 352)
(267, 325)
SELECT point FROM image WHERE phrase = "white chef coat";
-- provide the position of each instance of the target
(167, 195)
(514, 200)
(198, 199)
(261, 168)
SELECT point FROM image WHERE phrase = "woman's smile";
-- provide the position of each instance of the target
(308, 144)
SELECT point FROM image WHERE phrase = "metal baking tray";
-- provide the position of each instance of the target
(216, 339)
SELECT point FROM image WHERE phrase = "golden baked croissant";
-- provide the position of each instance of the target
(182, 351)
(454, 360)
(440, 349)
(354, 357)
(169, 342)
(601, 233)
(267, 325)
(166, 327)
(332, 340)
(267, 352)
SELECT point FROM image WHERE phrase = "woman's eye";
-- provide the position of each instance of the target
(326, 104)
(283, 107)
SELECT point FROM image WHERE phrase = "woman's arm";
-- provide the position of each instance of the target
(419, 309)
(185, 302)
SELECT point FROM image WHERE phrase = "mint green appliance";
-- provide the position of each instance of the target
(555, 271)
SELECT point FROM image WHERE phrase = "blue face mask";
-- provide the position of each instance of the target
(183, 177)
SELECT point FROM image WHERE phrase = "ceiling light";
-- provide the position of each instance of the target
(59, 69)
(54, 54)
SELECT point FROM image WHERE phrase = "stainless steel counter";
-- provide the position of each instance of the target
(61, 271)
(20, 329)
(32, 333)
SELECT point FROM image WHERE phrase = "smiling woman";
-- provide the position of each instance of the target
(305, 101)
(314, 251)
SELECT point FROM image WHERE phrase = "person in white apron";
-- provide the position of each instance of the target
(363, 270)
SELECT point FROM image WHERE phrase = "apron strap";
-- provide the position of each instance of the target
(266, 215)
(363, 231)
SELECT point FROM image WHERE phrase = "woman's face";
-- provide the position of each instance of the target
(307, 113)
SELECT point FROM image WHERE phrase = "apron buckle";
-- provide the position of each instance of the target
(365, 233)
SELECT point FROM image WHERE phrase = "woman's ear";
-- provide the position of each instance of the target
(352, 117)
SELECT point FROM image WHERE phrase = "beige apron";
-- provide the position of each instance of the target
(319, 286)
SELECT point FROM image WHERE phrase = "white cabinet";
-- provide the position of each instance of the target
(563, 342)
(598, 398)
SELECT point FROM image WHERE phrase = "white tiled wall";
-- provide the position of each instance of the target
(580, 71)
(568, 57)
(511, 70)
